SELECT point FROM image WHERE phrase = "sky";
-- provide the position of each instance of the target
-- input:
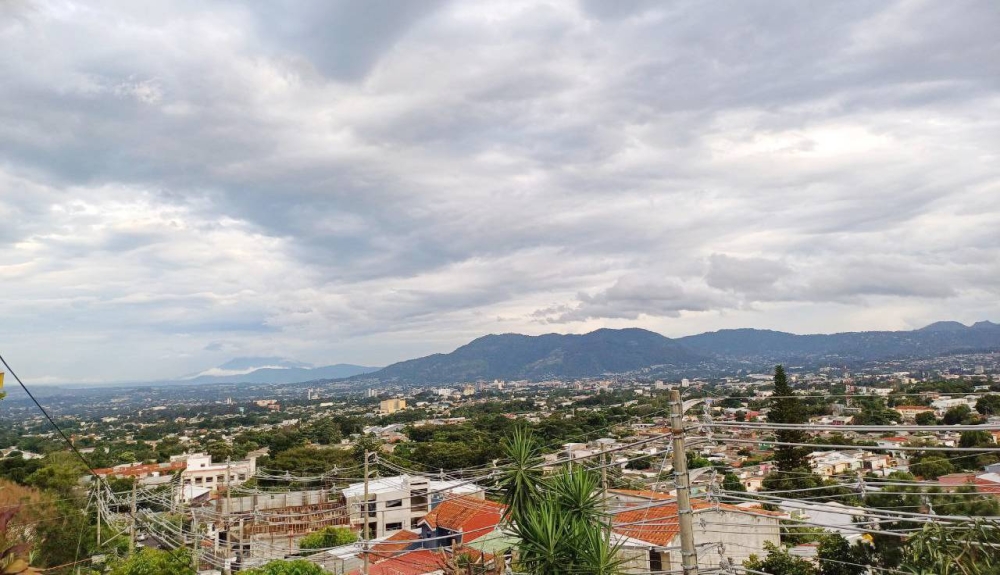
(186, 182)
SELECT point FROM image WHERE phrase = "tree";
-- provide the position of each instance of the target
(989, 404)
(876, 413)
(785, 408)
(731, 482)
(155, 562)
(931, 466)
(779, 562)
(60, 471)
(695, 461)
(328, 537)
(297, 567)
(954, 549)
(958, 414)
(926, 418)
(838, 557)
(976, 439)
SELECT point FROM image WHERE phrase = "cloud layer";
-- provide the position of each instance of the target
(369, 181)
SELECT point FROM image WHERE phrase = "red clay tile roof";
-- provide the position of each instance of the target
(645, 494)
(410, 563)
(657, 523)
(466, 514)
(394, 544)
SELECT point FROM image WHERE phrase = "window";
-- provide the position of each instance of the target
(394, 526)
(393, 503)
(371, 508)
(208, 479)
(418, 499)
(415, 522)
(655, 561)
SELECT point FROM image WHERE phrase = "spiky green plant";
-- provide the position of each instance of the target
(575, 491)
(521, 483)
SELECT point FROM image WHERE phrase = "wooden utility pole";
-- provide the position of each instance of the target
(682, 482)
(364, 520)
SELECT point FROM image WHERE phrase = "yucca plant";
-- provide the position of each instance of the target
(560, 520)
(521, 484)
(575, 492)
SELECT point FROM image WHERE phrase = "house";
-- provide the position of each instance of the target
(460, 520)
(652, 529)
(910, 412)
(145, 473)
(400, 502)
(200, 471)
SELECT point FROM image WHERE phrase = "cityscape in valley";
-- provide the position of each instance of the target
(852, 455)
(499, 287)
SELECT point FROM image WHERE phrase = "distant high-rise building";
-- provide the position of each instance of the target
(390, 406)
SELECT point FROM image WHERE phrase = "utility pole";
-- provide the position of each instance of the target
(99, 514)
(228, 519)
(364, 519)
(604, 473)
(682, 482)
(131, 539)
(195, 559)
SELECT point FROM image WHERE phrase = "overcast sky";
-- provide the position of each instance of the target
(185, 182)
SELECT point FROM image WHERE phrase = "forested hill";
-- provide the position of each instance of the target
(514, 356)
(934, 340)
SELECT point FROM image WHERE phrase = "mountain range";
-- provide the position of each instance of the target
(273, 370)
(514, 356)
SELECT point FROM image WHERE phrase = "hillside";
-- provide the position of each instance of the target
(934, 340)
(513, 356)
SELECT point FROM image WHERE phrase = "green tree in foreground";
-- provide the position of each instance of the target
(779, 562)
(328, 537)
(949, 549)
(155, 562)
(834, 554)
(297, 567)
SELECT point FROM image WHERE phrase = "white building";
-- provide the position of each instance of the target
(397, 503)
(202, 472)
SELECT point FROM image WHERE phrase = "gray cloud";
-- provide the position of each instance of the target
(367, 181)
